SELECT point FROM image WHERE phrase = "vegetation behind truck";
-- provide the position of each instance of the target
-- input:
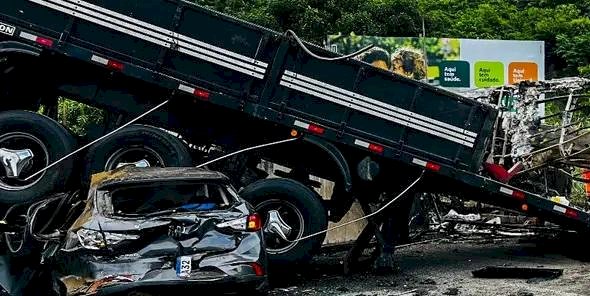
(230, 84)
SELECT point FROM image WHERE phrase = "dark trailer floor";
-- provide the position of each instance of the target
(199, 53)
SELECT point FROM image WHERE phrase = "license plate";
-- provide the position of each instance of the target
(183, 266)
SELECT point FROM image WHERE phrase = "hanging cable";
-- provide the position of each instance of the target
(363, 217)
(97, 140)
(309, 52)
(245, 150)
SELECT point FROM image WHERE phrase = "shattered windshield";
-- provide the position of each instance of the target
(170, 197)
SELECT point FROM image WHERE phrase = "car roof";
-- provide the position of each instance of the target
(135, 175)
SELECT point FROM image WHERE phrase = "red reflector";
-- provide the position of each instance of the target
(433, 166)
(202, 94)
(518, 194)
(376, 148)
(316, 129)
(115, 65)
(44, 41)
(258, 270)
(254, 223)
(571, 213)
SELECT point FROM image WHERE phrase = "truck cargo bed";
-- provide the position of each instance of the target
(198, 48)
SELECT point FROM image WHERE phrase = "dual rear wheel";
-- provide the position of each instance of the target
(30, 142)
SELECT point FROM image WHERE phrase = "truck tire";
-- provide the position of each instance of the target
(300, 207)
(48, 141)
(136, 143)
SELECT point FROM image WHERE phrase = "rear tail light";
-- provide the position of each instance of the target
(315, 129)
(203, 94)
(199, 93)
(376, 148)
(254, 222)
(115, 65)
(44, 41)
(258, 270)
(426, 164)
(571, 213)
(249, 223)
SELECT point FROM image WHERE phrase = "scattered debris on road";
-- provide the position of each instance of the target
(502, 272)
(451, 291)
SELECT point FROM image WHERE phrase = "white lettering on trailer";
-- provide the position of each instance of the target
(559, 209)
(506, 190)
(158, 35)
(7, 29)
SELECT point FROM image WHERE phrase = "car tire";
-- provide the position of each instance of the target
(168, 150)
(306, 201)
(49, 141)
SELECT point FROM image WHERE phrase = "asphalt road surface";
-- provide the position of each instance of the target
(444, 268)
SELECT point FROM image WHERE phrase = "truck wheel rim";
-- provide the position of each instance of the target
(134, 155)
(24, 141)
(291, 215)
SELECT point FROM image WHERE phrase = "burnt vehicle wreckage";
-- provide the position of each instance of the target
(147, 229)
(175, 93)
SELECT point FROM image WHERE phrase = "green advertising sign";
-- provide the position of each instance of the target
(489, 74)
(454, 74)
(450, 62)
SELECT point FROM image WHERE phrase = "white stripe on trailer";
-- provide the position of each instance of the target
(301, 124)
(419, 162)
(374, 113)
(171, 37)
(397, 115)
(221, 63)
(559, 209)
(156, 38)
(167, 32)
(362, 143)
(99, 60)
(149, 34)
(506, 191)
(379, 103)
(28, 36)
(186, 88)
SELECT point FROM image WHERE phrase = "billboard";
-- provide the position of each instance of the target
(451, 62)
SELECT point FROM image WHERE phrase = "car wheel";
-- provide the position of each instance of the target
(295, 206)
(28, 143)
(138, 145)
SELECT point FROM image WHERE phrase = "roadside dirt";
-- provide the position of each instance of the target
(444, 268)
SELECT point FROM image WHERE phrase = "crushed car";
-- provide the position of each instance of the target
(149, 230)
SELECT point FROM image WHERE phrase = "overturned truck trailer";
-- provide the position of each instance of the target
(198, 84)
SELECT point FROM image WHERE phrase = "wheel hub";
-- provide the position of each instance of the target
(277, 225)
(14, 161)
(144, 163)
(283, 225)
(139, 156)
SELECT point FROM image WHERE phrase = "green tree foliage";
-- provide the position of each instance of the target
(77, 116)
(562, 24)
